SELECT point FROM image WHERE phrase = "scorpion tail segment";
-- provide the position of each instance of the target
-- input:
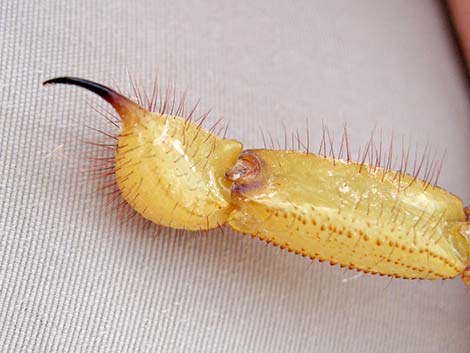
(466, 233)
(326, 219)
(466, 274)
(129, 111)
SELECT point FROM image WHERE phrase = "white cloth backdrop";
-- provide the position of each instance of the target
(73, 279)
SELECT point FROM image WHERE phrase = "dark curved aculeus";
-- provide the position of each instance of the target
(101, 90)
(119, 102)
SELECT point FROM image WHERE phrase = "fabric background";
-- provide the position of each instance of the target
(74, 279)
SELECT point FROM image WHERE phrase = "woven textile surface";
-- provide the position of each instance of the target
(74, 278)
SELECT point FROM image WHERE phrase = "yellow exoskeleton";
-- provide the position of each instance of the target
(177, 174)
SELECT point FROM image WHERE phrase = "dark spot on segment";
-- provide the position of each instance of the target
(466, 211)
(242, 189)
